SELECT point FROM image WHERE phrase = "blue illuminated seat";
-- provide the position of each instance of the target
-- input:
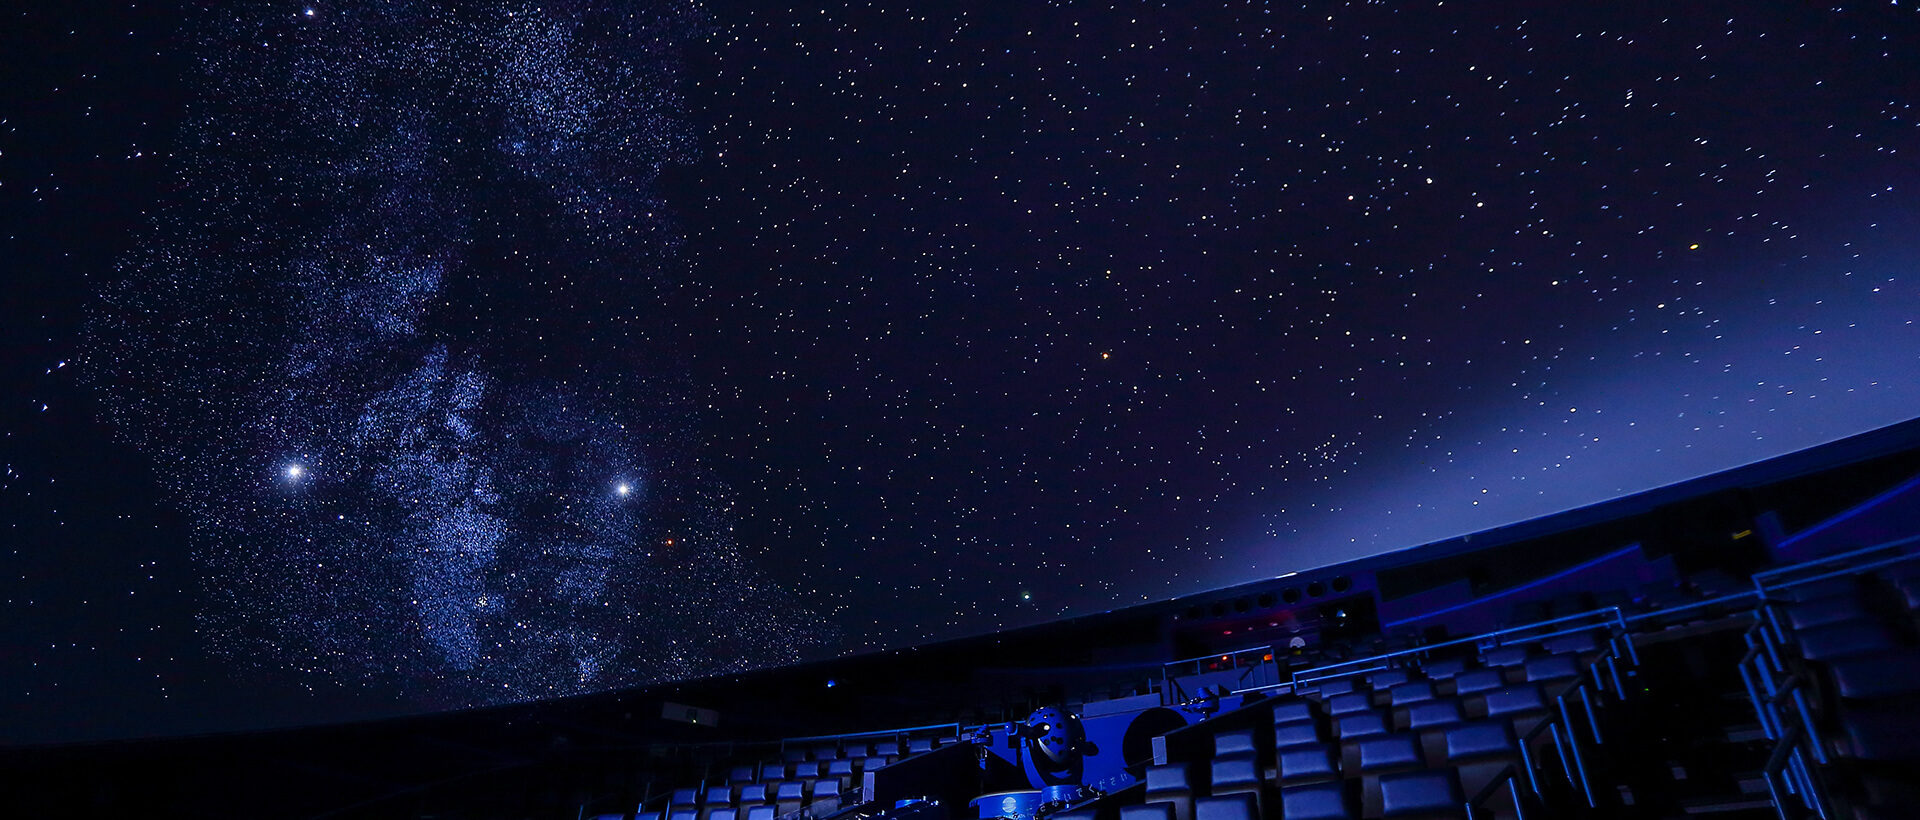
(1324, 801)
(1472, 686)
(1148, 811)
(1430, 793)
(790, 796)
(1347, 704)
(1235, 744)
(1237, 806)
(1294, 710)
(1381, 756)
(1523, 705)
(826, 796)
(1307, 763)
(1239, 777)
(1174, 785)
(1288, 735)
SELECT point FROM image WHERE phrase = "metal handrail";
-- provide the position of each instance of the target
(1235, 653)
(1506, 776)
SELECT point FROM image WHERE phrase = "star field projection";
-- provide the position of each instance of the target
(1057, 307)
(481, 352)
(390, 345)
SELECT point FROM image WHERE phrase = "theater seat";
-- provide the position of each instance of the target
(1149, 811)
(1472, 687)
(1524, 705)
(1239, 743)
(841, 771)
(1554, 673)
(1419, 795)
(1172, 784)
(1235, 775)
(1430, 721)
(1309, 763)
(764, 811)
(1347, 704)
(826, 796)
(1228, 807)
(1294, 710)
(1844, 639)
(1325, 801)
(1504, 656)
(1582, 644)
(1286, 736)
(790, 796)
(1880, 675)
(1409, 693)
(1336, 686)
(1481, 751)
(1445, 669)
(1380, 756)
(1823, 611)
(1353, 729)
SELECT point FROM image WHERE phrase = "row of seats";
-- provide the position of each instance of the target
(1405, 742)
(819, 778)
(1857, 635)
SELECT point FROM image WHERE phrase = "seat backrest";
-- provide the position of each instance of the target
(740, 774)
(1308, 760)
(1361, 724)
(1288, 735)
(1293, 710)
(1387, 679)
(1348, 703)
(1504, 656)
(761, 812)
(1476, 681)
(1410, 693)
(1515, 700)
(1336, 686)
(1445, 668)
(1147, 811)
(686, 797)
(1227, 807)
(1553, 667)
(1326, 801)
(1235, 771)
(1420, 793)
(791, 790)
(1175, 777)
(1481, 738)
(1234, 743)
(1574, 644)
(1389, 751)
(1434, 714)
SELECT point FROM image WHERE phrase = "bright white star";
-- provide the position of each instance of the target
(622, 488)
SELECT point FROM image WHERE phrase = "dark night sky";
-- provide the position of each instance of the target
(366, 358)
